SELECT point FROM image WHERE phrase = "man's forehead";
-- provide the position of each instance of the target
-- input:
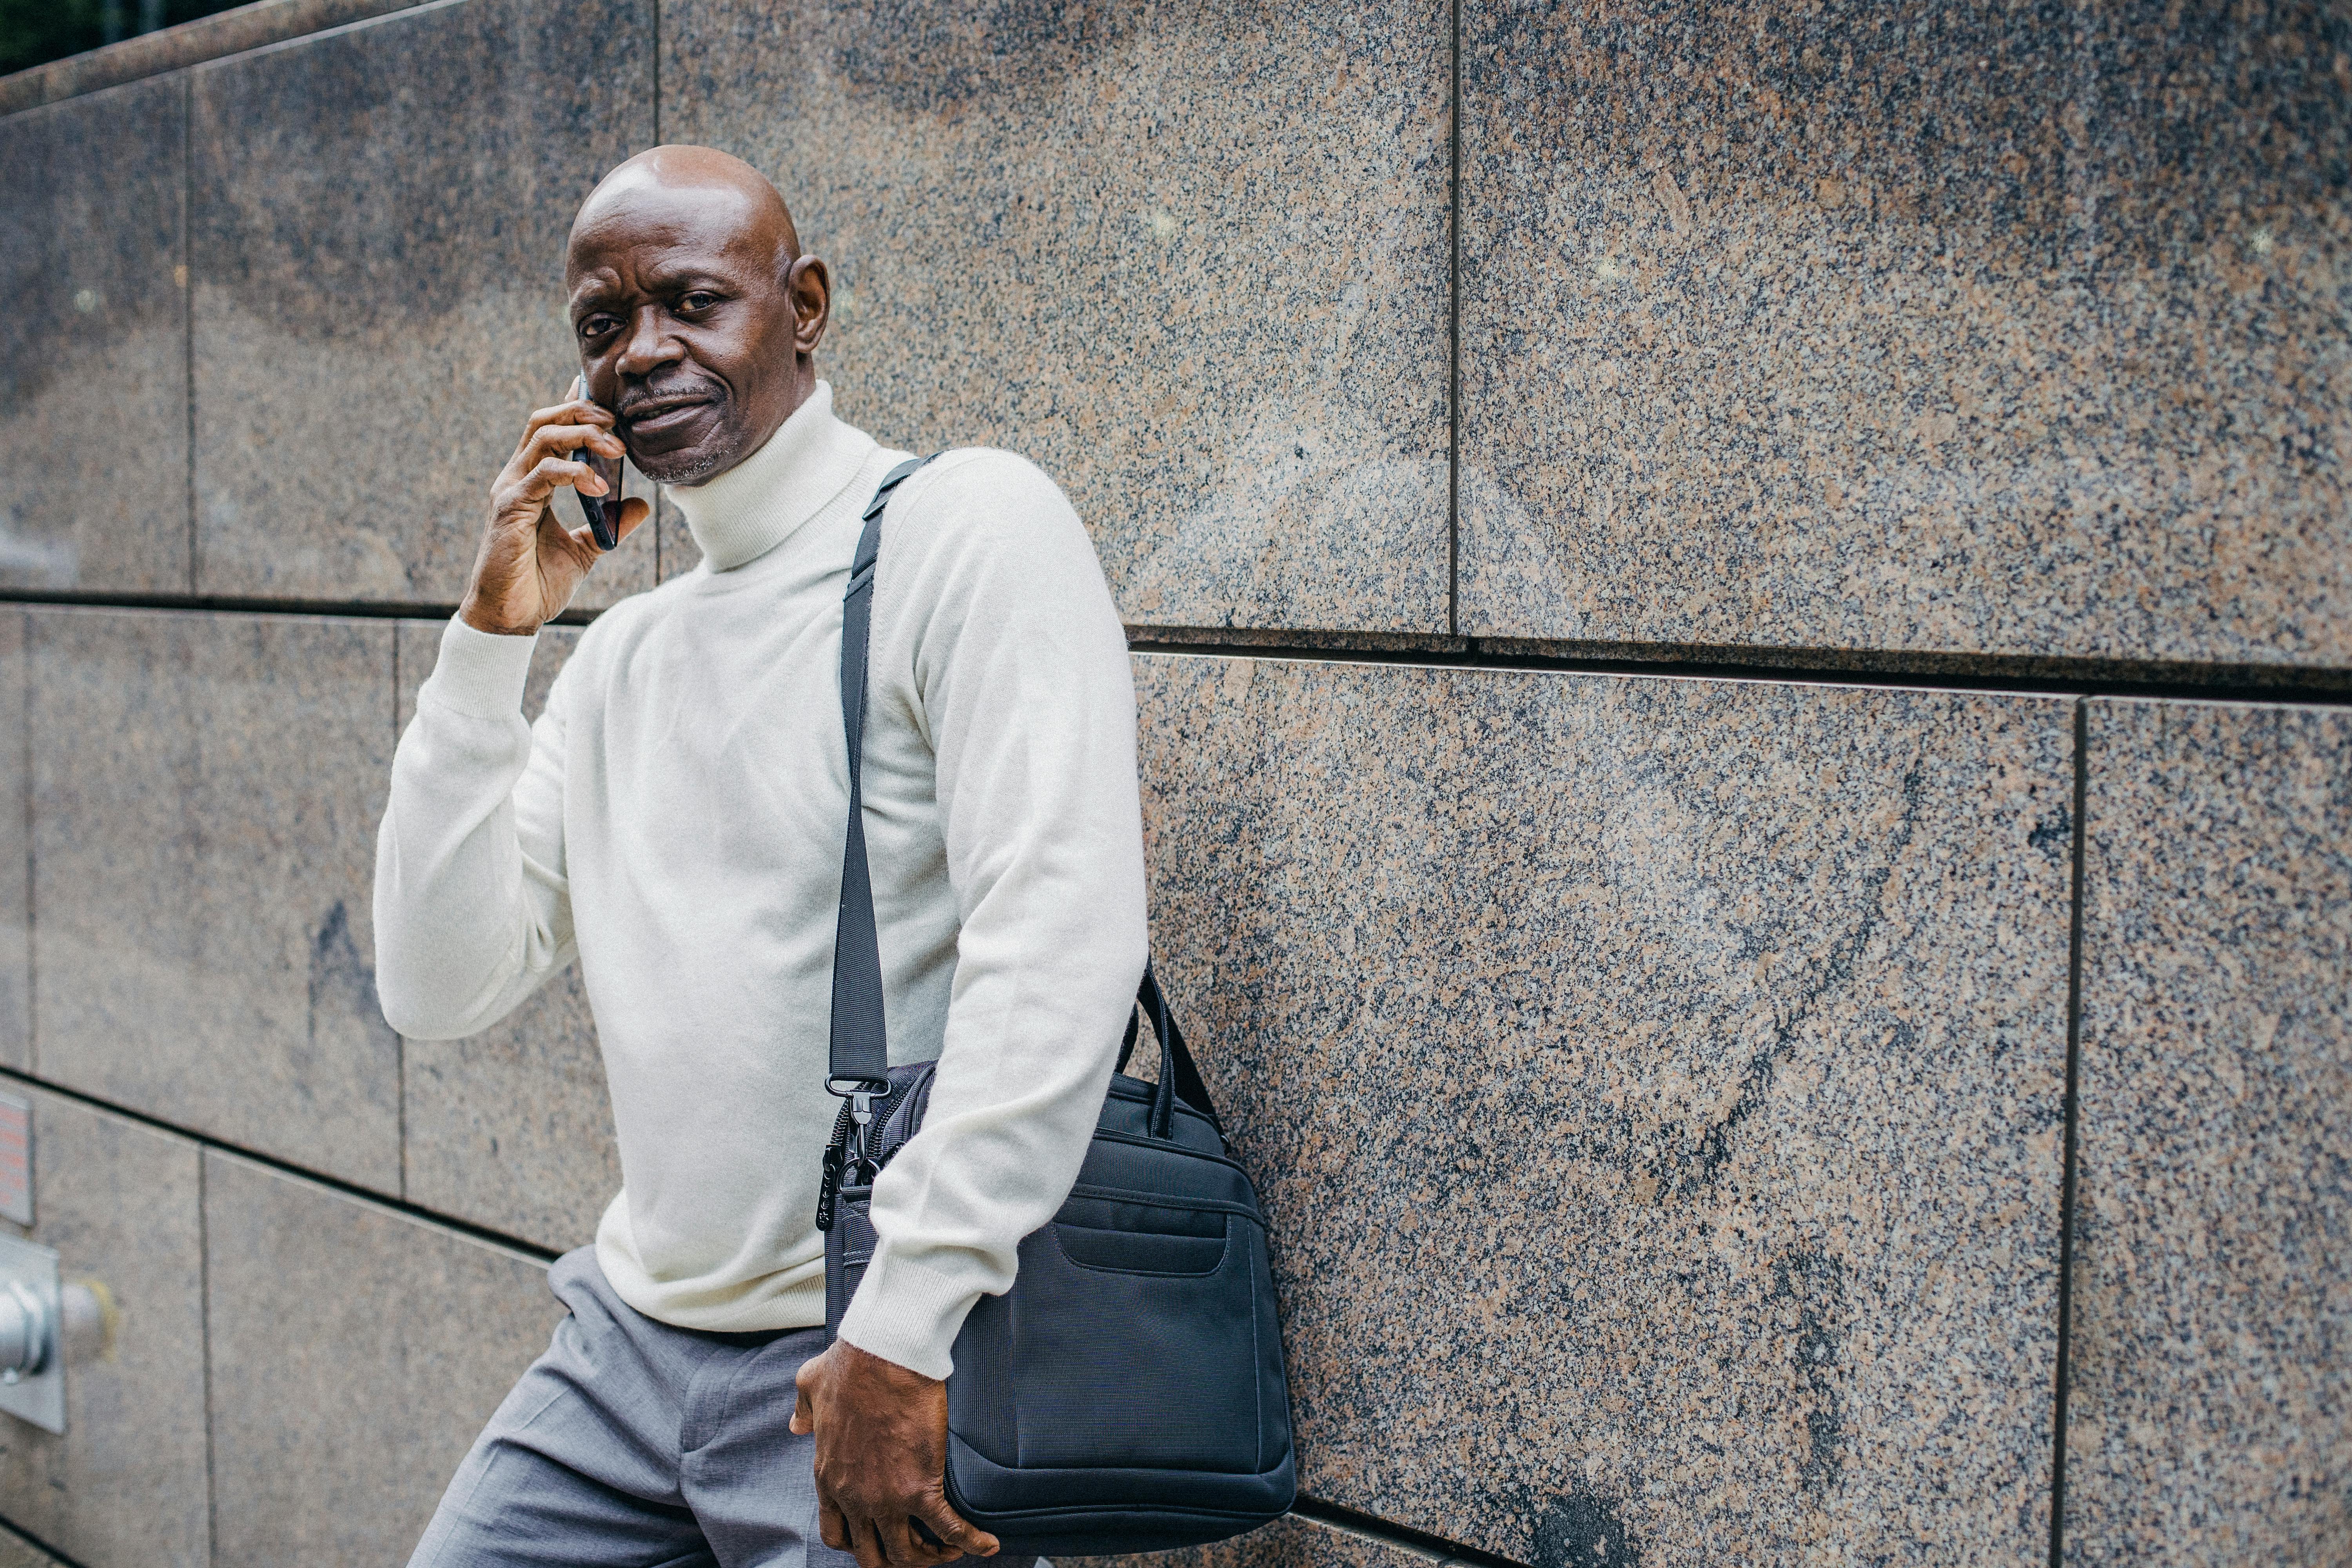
(662, 236)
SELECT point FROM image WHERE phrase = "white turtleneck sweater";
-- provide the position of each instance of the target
(676, 819)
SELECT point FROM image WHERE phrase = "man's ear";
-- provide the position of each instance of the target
(810, 286)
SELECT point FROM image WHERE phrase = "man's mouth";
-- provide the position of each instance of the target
(653, 416)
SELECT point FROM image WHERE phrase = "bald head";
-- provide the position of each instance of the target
(697, 316)
(702, 178)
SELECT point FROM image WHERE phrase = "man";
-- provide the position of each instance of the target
(675, 818)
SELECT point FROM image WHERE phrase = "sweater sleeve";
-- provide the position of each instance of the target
(471, 908)
(1021, 670)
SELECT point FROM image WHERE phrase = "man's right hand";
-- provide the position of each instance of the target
(531, 565)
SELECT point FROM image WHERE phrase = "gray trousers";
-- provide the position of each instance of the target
(633, 1443)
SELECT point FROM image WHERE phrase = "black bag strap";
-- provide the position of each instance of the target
(861, 1044)
(860, 1054)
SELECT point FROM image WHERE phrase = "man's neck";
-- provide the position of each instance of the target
(753, 507)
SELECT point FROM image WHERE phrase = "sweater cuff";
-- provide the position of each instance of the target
(480, 674)
(908, 1312)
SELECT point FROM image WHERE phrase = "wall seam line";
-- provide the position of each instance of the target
(1404, 1538)
(2300, 686)
(285, 1167)
(1453, 333)
(1482, 655)
(36, 1543)
(32, 869)
(205, 1332)
(2068, 1177)
(188, 295)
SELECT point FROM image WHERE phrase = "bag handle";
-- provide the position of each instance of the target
(1179, 1078)
(859, 1060)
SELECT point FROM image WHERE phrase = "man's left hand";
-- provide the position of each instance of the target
(881, 1460)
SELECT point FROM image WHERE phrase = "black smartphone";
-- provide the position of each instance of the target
(603, 511)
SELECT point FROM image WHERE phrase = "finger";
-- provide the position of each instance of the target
(553, 439)
(805, 1422)
(634, 512)
(583, 538)
(925, 1547)
(957, 1533)
(550, 475)
(574, 410)
(831, 1528)
(865, 1545)
(902, 1545)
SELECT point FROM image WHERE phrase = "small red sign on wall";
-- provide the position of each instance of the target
(16, 1160)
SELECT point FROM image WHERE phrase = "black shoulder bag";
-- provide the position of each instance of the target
(1127, 1393)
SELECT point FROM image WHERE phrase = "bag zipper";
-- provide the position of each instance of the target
(835, 1163)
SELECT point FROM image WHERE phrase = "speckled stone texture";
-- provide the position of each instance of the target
(1191, 259)
(513, 1128)
(126, 1486)
(1655, 1087)
(378, 247)
(1290, 1541)
(93, 344)
(355, 1353)
(15, 852)
(206, 793)
(16, 1552)
(2002, 328)
(2210, 1420)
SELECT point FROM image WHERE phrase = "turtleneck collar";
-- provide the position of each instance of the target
(762, 501)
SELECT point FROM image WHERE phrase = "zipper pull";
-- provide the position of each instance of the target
(837, 1154)
(829, 1187)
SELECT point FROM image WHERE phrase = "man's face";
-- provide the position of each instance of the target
(693, 323)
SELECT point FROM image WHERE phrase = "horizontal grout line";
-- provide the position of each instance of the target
(355, 609)
(2046, 678)
(1403, 1537)
(36, 1543)
(1939, 672)
(182, 47)
(350, 1189)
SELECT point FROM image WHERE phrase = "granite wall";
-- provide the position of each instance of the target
(1745, 658)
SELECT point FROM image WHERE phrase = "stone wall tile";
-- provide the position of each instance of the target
(356, 1353)
(1656, 1088)
(2210, 1417)
(378, 248)
(2213, 146)
(93, 346)
(513, 1128)
(2004, 328)
(1193, 259)
(15, 851)
(16, 1552)
(126, 1486)
(206, 793)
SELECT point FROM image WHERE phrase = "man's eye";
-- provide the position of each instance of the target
(700, 300)
(597, 326)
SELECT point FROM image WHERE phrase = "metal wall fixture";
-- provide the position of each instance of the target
(43, 1326)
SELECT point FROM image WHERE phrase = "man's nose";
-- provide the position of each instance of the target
(647, 347)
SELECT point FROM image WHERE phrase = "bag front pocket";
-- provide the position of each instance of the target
(1138, 1238)
(1147, 1339)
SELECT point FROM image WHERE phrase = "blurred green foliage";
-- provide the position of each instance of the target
(35, 31)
